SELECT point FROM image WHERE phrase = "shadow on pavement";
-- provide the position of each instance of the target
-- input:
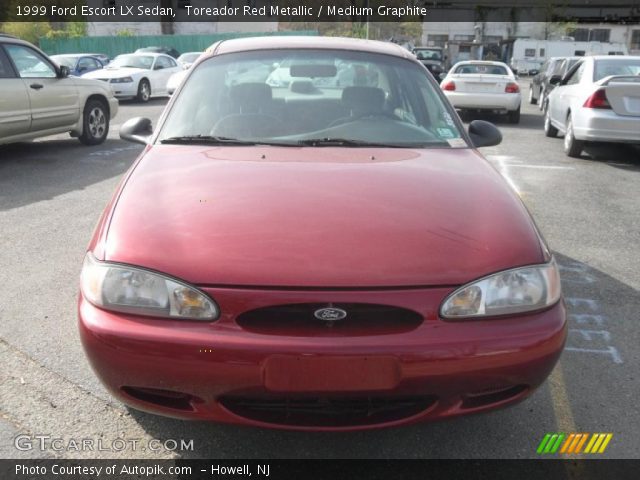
(41, 170)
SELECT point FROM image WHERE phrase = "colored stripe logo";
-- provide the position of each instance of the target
(574, 443)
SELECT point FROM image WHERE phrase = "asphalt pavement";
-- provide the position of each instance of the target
(53, 190)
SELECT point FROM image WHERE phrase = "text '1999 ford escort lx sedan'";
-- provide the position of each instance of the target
(326, 250)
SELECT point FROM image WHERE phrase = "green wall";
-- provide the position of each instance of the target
(113, 46)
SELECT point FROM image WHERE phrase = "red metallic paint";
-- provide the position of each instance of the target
(319, 217)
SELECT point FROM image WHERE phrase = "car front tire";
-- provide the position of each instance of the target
(572, 147)
(144, 91)
(95, 126)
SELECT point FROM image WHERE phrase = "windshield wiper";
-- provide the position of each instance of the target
(206, 140)
(347, 142)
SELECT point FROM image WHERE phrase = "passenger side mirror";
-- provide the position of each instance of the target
(483, 134)
(137, 130)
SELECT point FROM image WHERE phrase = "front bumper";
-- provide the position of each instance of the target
(124, 90)
(213, 369)
(485, 101)
(599, 125)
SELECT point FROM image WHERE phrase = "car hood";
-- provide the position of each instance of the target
(113, 72)
(319, 217)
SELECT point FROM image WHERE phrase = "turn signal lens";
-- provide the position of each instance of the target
(513, 291)
(512, 88)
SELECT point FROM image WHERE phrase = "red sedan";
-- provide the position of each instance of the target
(311, 240)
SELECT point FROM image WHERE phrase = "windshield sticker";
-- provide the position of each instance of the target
(448, 119)
(457, 142)
(445, 133)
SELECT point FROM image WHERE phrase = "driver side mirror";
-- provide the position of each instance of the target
(555, 79)
(483, 134)
(63, 71)
(137, 130)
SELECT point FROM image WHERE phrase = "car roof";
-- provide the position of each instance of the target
(614, 57)
(310, 42)
(147, 54)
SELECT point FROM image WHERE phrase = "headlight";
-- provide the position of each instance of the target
(122, 80)
(512, 291)
(123, 288)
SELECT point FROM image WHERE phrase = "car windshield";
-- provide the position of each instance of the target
(427, 54)
(606, 68)
(484, 69)
(311, 97)
(134, 61)
(66, 61)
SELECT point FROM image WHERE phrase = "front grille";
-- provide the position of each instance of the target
(299, 320)
(327, 411)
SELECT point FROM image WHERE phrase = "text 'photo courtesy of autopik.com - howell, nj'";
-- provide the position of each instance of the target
(346, 239)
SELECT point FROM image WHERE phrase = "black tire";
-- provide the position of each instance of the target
(572, 147)
(144, 91)
(95, 123)
(514, 116)
(532, 99)
(549, 130)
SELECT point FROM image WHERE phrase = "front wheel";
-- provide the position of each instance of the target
(144, 91)
(514, 116)
(572, 146)
(95, 123)
(549, 129)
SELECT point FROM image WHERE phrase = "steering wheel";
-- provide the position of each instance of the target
(385, 115)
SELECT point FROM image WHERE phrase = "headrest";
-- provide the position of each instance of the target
(363, 98)
(248, 93)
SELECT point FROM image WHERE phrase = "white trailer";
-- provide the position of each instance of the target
(529, 54)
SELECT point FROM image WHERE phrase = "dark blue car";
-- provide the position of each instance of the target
(78, 64)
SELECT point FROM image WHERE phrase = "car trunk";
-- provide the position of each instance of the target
(481, 83)
(624, 97)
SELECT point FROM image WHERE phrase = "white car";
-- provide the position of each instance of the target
(187, 59)
(597, 101)
(175, 80)
(138, 75)
(483, 85)
(39, 98)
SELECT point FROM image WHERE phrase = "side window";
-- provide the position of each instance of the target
(576, 75)
(30, 64)
(87, 63)
(162, 62)
(172, 62)
(6, 70)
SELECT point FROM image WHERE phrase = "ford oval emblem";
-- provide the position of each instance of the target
(330, 314)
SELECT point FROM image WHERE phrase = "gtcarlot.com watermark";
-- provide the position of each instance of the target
(58, 444)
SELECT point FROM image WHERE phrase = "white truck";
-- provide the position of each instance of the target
(527, 55)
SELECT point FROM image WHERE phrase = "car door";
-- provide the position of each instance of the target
(162, 70)
(54, 101)
(564, 94)
(15, 114)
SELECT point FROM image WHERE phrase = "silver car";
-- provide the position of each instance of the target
(597, 101)
(38, 98)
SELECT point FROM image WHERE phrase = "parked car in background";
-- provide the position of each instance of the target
(38, 98)
(597, 101)
(175, 80)
(540, 87)
(138, 75)
(186, 59)
(335, 260)
(78, 64)
(433, 58)
(483, 86)
(172, 52)
(105, 59)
